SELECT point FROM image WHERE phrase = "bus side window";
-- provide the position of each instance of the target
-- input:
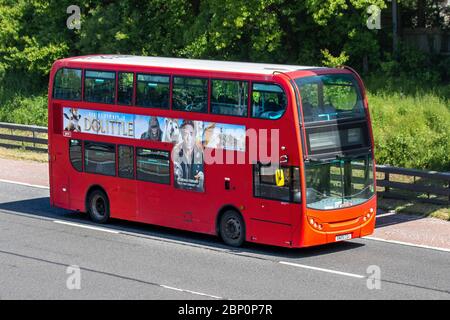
(153, 165)
(190, 94)
(264, 183)
(75, 154)
(125, 88)
(99, 86)
(126, 161)
(100, 158)
(229, 97)
(67, 84)
(152, 91)
(268, 101)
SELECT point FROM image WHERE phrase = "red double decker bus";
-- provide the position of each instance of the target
(185, 144)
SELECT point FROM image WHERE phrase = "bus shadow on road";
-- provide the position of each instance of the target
(40, 208)
(396, 218)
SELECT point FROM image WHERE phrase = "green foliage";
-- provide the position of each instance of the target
(421, 71)
(235, 30)
(411, 121)
(22, 99)
(25, 110)
(331, 61)
(29, 38)
(411, 131)
(134, 27)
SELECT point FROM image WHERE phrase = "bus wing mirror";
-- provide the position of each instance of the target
(279, 177)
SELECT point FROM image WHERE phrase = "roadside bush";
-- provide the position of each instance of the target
(26, 110)
(411, 131)
(414, 66)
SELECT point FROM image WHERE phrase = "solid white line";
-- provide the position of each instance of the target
(387, 214)
(85, 226)
(407, 244)
(189, 291)
(322, 269)
(24, 184)
(171, 288)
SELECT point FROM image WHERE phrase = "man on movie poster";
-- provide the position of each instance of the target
(188, 159)
(154, 131)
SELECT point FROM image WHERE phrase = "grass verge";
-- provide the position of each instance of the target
(415, 208)
(21, 154)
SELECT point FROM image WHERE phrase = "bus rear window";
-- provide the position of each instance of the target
(67, 84)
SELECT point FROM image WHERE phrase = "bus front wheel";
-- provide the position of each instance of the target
(232, 228)
(98, 206)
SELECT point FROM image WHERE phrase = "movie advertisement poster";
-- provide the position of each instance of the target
(188, 137)
(113, 124)
(78, 120)
(187, 157)
(224, 136)
(148, 128)
(99, 122)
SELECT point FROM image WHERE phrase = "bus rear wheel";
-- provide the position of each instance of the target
(98, 206)
(232, 228)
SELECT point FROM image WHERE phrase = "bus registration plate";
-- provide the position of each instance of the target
(344, 237)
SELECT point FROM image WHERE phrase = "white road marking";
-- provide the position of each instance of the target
(407, 244)
(387, 214)
(323, 270)
(24, 184)
(189, 291)
(85, 226)
(116, 232)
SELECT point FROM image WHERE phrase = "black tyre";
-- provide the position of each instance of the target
(98, 206)
(232, 228)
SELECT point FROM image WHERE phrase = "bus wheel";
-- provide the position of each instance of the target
(232, 228)
(98, 206)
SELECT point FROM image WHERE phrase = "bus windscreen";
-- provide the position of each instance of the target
(330, 97)
(339, 183)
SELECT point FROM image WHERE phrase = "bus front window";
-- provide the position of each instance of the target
(330, 97)
(339, 183)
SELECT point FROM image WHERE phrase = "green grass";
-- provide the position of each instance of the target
(23, 100)
(25, 110)
(20, 144)
(411, 124)
(414, 208)
(22, 154)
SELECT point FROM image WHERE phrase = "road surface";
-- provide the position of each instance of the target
(42, 247)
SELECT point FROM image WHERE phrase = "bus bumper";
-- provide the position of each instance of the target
(359, 222)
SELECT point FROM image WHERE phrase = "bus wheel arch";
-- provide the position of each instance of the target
(97, 204)
(235, 219)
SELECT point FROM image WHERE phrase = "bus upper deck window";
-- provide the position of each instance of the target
(229, 97)
(190, 94)
(67, 84)
(99, 86)
(330, 97)
(153, 91)
(125, 88)
(268, 101)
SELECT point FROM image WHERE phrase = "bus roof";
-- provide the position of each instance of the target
(180, 63)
